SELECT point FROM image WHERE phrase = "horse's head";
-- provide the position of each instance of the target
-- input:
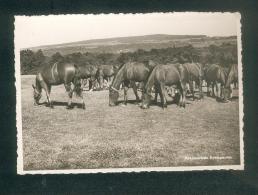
(36, 94)
(226, 94)
(146, 99)
(113, 96)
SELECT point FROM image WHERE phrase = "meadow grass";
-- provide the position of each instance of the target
(125, 136)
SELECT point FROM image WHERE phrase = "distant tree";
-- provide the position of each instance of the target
(31, 62)
(26, 57)
(57, 57)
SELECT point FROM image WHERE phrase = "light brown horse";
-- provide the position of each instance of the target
(129, 73)
(193, 73)
(232, 77)
(56, 74)
(215, 75)
(161, 76)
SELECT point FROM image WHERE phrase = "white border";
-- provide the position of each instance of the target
(120, 170)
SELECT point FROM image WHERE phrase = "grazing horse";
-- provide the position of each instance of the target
(161, 76)
(105, 72)
(193, 73)
(231, 78)
(129, 73)
(56, 74)
(88, 72)
(215, 75)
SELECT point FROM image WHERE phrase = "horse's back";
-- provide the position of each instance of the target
(168, 74)
(58, 73)
(87, 71)
(136, 71)
(211, 73)
(194, 70)
(106, 70)
(216, 73)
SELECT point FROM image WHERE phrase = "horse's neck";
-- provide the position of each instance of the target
(230, 77)
(119, 78)
(150, 82)
(39, 79)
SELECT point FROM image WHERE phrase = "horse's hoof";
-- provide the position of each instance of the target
(164, 106)
(68, 107)
(49, 105)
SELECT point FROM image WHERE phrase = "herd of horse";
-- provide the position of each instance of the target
(153, 77)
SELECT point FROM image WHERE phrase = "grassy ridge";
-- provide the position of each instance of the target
(131, 44)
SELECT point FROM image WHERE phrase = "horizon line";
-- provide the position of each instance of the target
(57, 44)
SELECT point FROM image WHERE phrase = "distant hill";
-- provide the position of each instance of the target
(130, 44)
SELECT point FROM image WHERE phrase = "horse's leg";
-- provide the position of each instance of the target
(213, 92)
(200, 87)
(135, 91)
(126, 87)
(162, 95)
(236, 85)
(221, 90)
(156, 93)
(191, 85)
(217, 89)
(90, 85)
(109, 81)
(125, 94)
(50, 102)
(83, 103)
(208, 89)
(182, 89)
(69, 91)
(231, 93)
(47, 90)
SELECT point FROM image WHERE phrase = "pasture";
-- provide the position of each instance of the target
(126, 136)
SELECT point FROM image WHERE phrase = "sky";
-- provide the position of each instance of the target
(33, 31)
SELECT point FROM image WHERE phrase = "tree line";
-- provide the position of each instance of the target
(224, 55)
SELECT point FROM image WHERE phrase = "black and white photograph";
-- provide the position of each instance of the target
(100, 93)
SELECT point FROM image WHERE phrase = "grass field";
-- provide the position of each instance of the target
(126, 136)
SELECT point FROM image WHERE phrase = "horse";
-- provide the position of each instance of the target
(88, 72)
(215, 75)
(232, 77)
(161, 76)
(194, 73)
(56, 74)
(129, 73)
(105, 72)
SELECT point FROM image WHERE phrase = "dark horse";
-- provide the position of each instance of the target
(105, 72)
(231, 78)
(161, 76)
(129, 73)
(193, 73)
(88, 72)
(215, 75)
(56, 74)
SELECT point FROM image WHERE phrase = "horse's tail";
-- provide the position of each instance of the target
(77, 81)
